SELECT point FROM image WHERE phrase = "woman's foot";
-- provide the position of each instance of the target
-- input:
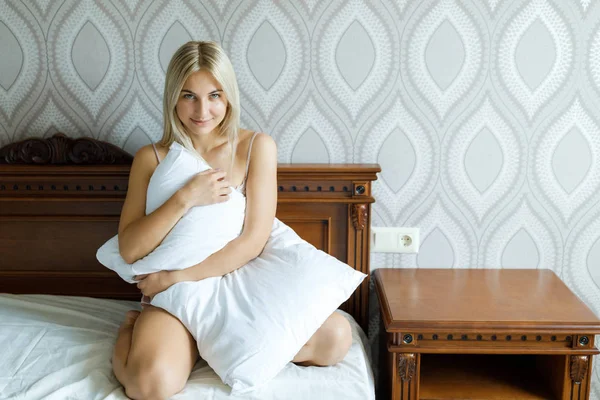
(130, 317)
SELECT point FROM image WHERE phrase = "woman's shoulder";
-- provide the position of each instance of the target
(256, 138)
(145, 161)
(264, 149)
(148, 152)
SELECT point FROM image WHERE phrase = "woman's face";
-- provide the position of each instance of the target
(202, 104)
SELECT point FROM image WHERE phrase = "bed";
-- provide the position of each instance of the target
(60, 199)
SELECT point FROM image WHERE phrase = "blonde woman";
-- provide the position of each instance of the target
(154, 353)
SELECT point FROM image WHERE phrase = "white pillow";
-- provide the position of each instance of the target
(201, 232)
(250, 323)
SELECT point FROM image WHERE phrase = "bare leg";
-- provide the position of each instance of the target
(123, 344)
(329, 345)
(160, 356)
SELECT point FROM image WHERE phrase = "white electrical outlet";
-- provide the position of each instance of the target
(394, 239)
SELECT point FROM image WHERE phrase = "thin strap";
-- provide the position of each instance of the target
(248, 158)
(156, 152)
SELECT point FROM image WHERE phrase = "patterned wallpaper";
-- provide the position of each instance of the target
(484, 114)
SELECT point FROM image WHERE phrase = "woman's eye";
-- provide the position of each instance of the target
(188, 96)
(215, 95)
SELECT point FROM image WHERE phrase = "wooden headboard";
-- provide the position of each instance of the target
(60, 200)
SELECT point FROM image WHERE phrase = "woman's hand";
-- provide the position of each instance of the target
(207, 187)
(152, 284)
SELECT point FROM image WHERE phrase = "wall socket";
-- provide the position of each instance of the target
(394, 240)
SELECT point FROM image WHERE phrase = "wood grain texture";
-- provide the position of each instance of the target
(485, 334)
(481, 300)
(481, 377)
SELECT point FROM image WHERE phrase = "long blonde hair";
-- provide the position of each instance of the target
(192, 57)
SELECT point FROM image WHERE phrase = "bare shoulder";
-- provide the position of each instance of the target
(262, 173)
(144, 154)
(263, 160)
(264, 144)
(144, 161)
(261, 140)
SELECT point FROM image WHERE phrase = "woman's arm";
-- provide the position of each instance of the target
(261, 203)
(139, 234)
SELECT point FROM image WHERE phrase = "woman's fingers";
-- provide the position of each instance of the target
(215, 174)
(223, 183)
(219, 175)
(210, 171)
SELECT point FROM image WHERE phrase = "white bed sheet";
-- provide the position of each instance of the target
(59, 347)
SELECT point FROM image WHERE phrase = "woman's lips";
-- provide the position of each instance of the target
(198, 122)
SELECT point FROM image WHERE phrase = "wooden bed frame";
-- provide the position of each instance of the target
(60, 200)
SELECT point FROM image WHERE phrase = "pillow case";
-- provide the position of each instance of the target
(201, 232)
(251, 322)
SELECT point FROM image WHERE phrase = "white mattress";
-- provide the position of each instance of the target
(59, 347)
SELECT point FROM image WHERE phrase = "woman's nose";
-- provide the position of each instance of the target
(202, 107)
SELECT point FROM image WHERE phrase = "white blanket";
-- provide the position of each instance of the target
(58, 347)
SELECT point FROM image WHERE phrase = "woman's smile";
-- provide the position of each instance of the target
(201, 122)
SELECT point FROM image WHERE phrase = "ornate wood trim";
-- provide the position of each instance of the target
(358, 257)
(407, 366)
(465, 336)
(579, 368)
(359, 216)
(62, 150)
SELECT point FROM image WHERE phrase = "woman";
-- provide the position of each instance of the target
(154, 353)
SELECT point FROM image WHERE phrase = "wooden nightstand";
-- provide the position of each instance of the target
(483, 334)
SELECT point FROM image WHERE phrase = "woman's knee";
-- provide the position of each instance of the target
(336, 340)
(160, 358)
(152, 379)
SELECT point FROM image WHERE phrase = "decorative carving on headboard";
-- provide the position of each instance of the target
(61, 150)
(359, 216)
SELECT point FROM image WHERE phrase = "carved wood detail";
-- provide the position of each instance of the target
(61, 150)
(579, 368)
(359, 216)
(529, 339)
(407, 365)
(312, 187)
